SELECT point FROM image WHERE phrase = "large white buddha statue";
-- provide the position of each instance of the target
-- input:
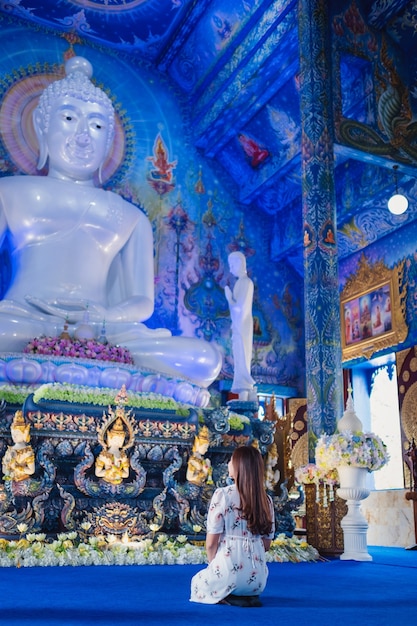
(77, 246)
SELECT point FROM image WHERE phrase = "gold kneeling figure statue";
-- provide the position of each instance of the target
(19, 460)
(112, 464)
(199, 469)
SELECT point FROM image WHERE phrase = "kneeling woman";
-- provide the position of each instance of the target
(240, 527)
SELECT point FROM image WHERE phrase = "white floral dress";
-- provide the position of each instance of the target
(239, 566)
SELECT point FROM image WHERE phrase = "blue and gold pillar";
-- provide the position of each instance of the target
(321, 293)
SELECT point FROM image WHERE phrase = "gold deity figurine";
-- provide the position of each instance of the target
(116, 435)
(199, 469)
(19, 460)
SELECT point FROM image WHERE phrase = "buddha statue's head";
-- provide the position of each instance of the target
(72, 107)
(237, 263)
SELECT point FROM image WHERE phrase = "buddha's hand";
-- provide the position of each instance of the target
(16, 309)
(72, 310)
(134, 309)
(228, 293)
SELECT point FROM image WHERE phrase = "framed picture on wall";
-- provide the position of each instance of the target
(372, 310)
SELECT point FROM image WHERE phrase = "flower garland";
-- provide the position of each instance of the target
(104, 396)
(35, 550)
(351, 448)
(313, 474)
(324, 479)
(78, 349)
(15, 394)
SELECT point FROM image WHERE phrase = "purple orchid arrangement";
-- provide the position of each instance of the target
(78, 349)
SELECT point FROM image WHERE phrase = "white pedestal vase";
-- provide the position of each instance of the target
(354, 525)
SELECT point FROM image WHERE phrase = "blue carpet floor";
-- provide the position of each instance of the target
(382, 592)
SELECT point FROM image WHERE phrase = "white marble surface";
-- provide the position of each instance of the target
(390, 518)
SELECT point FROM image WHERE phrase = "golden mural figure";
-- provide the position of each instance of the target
(19, 460)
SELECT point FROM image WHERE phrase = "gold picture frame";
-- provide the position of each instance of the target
(372, 310)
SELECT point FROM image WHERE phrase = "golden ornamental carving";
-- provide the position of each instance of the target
(114, 518)
(299, 454)
(294, 404)
(408, 413)
(46, 420)
(117, 420)
(365, 277)
(116, 434)
(323, 523)
(400, 358)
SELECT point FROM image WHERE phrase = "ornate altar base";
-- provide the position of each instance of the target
(64, 493)
(174, 461)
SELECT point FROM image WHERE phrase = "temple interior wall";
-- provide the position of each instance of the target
(390, 518)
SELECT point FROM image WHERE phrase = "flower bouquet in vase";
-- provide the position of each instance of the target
(353, 454)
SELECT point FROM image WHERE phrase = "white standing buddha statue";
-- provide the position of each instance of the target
(240, 305)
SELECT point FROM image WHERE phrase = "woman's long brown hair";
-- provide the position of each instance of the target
(249, 479)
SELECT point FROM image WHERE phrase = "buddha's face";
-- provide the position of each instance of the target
(236, 265)
(77, 137)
